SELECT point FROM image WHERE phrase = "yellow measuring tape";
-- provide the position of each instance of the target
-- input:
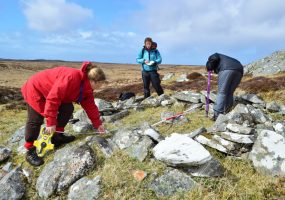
(43, 144)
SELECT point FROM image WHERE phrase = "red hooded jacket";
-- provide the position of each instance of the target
(47, 90)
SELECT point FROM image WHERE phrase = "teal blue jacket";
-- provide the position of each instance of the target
(151, 55)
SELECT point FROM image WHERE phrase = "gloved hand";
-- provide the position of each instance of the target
(101, 129)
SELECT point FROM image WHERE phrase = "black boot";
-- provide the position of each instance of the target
(33, 158)
(59, 139)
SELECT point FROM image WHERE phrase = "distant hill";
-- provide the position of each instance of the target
(267, 66)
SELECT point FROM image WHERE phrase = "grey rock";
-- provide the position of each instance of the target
(181, 150)
(182, 78)
(269, 65)
(82, 127)
(171, 182)
(8, 167)
(116, 116)
(268, 154)
(167, 76)
(236, 128)
(188, 96)
(82, 116)
(17, 136)
(211, 143)
(197, 132)
(230, 146)
(125, 138)
(273, 107)
(241, 119)
(220, 124)
(103, 144)
(238, 138)
(279, 127)
(5, 153)
(69, 164)
(12, 185)
(213, 97)
(104, 105)
(253, 98)
(127, 104)
(85, 188)
(150, 102)
(264, 127)
(212, 168)
(260, 116)
(153, 134)
(140, 149)
(240, 108)
(166, 100)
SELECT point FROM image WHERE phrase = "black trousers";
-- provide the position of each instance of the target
(153, 77)
(35, 120)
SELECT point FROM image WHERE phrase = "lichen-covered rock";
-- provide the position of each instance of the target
(70, 164)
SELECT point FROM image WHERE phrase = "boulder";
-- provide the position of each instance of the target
(85, 188)
(171, 182)
(104, 105)
(82, 116)
(279, 127)
(166, 100)
(253, 98)
(69, 164)
(103, 144)
(5, 153)
(116, 116)
(213, 97)
(150, 102)
(153, 134)
(125, 138)
(273, 107)
(140, 149)
(268, 155)
(211, 143)
(238, 138)
(12, 185)
(236, 128)
(82, 127)
(181, 150)
(212, 168)
(188, 96)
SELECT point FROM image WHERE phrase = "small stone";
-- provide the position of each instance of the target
(153, 134)
(150, 102)
(125, 138)
(188, 96)
(139, 175)
(253, 98)
(104, 105)
(116, 116)
(279, 127)
(140, 149)
(182, 78)
(197, 132)
(230, 146)
(8, 167)
(211, 143)
(212, 97)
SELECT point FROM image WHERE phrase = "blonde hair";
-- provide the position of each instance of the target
(95, 73)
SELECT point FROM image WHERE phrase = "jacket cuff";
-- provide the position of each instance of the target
(97, 123)
(51, 121)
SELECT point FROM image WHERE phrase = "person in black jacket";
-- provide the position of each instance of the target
(230, 73)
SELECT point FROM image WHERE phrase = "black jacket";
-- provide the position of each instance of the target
(219, 62)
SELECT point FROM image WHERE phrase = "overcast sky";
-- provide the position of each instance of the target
(187, 31)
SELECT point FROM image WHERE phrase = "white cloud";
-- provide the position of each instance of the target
(207, 26)
(54, 15)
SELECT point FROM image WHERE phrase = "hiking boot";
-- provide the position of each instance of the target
(59, 139)
(33, 158)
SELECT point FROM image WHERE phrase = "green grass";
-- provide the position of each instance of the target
(241, 181)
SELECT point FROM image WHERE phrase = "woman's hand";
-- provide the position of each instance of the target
(50, 129)
(101, 129)
(146, 61)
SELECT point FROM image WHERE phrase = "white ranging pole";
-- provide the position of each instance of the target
(192, 108)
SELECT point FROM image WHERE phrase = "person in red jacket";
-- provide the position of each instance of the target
(50, 94)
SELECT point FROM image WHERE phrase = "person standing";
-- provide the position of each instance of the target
(230, 73)
(150, 58)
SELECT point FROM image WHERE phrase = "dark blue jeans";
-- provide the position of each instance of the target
(228, 81)
(153, 77)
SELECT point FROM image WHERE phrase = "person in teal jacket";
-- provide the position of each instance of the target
(150, 58)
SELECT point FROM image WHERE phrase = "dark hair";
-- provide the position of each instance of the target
(213, 62)
(148, 39)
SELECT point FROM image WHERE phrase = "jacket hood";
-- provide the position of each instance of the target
(83, 68)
